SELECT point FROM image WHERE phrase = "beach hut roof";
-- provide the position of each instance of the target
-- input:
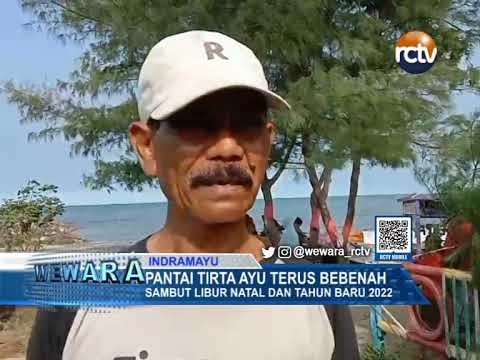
(415, 197)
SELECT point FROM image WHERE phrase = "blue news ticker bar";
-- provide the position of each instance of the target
(22, 288)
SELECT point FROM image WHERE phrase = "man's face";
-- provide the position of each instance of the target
(211, 156)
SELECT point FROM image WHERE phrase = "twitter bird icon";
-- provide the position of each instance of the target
(268, 253)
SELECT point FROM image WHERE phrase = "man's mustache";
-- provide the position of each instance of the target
(232, 174)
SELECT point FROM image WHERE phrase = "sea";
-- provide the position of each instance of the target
(132, 222)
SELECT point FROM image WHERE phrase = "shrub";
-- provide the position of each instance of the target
(27, 221)
(370, 353)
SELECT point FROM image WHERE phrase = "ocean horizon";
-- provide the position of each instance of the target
(275, 198)
(135, 221)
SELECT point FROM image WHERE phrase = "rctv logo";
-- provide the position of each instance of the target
(415, 52)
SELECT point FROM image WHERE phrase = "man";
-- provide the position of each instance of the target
(303, 239)
(204, 133)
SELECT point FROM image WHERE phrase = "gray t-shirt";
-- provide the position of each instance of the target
(195, 332)
(202, 333)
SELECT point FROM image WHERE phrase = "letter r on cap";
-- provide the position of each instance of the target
(213, 48)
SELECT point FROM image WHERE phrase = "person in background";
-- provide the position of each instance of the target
(302, 236)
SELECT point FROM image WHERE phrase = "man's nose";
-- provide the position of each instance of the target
(226, 147)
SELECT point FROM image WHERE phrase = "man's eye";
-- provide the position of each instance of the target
(180, 124)
(253, 122)
(193, 130)
(256, 122)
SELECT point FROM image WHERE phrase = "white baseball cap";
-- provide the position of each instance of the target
(184, 67)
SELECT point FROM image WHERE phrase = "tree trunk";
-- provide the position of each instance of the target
(268, 210)
(328, 221)
(271, 229)
(320, 188)
(267, 183)
(314, 230)
(352, 198)
(320, 192)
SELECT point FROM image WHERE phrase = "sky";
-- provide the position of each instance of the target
(37, 58)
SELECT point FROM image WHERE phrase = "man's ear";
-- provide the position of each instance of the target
(272, 131)
(141, 138)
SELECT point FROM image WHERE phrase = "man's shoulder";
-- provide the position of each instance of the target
(49, 333)
(138, 247)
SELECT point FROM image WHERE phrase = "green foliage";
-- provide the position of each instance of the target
(26, 220)
(433, 240)
(464, 202)
(370, 353)
(333, 60)
(452, 160)
(450, 167)
(124, 172)
(459, 256)
(476, 265)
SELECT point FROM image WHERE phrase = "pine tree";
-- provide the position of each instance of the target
(353, 103)
(333, 60)
(450, 168)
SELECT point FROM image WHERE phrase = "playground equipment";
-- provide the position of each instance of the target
(456, 331)
(451, 324)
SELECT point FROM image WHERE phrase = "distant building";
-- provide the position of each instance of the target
(423, 205)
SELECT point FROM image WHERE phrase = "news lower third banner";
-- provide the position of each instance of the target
(105, 280)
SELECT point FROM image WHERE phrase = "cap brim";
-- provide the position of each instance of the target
(274, 101)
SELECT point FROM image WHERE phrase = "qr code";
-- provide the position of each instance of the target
(394, 234)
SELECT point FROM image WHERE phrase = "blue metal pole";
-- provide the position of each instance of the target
(378, 335)
(418, 247)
